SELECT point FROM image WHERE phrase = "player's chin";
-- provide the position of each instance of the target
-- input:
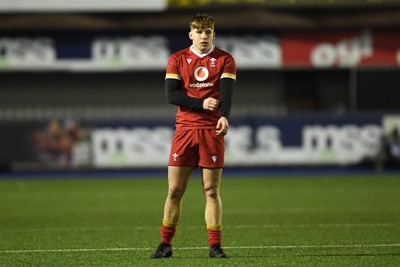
(205, 46)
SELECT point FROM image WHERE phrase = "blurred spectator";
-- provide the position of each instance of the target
(53, 144)
(56, 143)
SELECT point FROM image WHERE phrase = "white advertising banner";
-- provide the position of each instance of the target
(245, 146)
(103, 53)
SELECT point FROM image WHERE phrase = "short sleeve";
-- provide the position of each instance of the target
(229, 68)
(172, 68)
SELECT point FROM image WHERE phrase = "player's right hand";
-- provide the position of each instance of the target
(210, 104)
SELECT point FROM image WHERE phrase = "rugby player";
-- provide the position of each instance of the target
(200, 81)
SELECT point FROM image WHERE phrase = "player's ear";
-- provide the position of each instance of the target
(190, 35)
(214, 35)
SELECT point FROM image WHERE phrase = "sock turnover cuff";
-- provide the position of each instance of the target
(169, 224)
(217, 227)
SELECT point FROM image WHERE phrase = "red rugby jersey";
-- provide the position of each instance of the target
(200, 75)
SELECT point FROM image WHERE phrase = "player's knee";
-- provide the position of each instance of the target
(175, 192)
(211, 192)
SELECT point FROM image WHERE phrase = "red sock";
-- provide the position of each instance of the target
(214, 237)
(167, 233)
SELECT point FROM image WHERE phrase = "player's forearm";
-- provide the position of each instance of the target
(226, 92)
(176, 97)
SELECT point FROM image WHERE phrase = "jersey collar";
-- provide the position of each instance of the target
(203, 54)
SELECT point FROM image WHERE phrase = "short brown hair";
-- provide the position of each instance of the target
(202, 21)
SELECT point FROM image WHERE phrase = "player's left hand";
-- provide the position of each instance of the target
(222, 126)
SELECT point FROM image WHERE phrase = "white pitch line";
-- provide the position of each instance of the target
(316, 246)
(197, 248)
(317, 225)
(73, 250)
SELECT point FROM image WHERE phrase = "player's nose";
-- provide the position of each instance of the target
(204, 35)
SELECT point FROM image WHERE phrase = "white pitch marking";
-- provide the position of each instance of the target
(196, 248)
(318, 225)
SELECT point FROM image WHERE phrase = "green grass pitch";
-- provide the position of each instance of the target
(344, 220)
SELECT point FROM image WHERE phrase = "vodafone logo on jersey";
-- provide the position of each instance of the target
(201, 74)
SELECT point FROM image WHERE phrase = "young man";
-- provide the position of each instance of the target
(200, 81)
